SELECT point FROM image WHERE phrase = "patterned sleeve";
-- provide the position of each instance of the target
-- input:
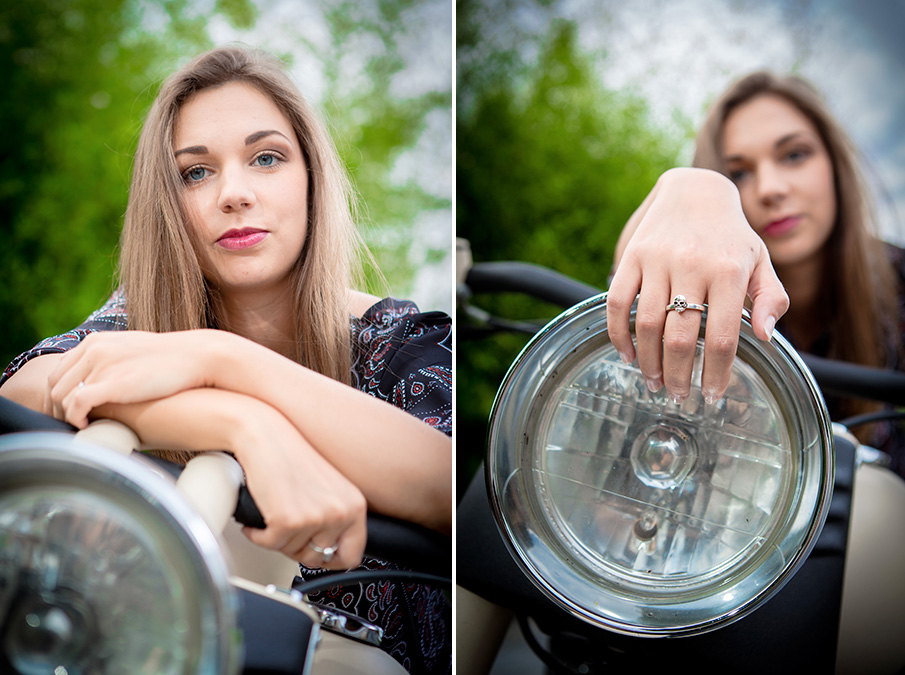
(112, 316)
(404, 356)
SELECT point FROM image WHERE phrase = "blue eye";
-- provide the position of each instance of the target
(194, 174)
(737, 175)
(266, 159)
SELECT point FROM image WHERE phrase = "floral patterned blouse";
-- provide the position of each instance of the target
(402, 356)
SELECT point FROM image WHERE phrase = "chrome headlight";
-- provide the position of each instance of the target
(104, 567)
(645, 517)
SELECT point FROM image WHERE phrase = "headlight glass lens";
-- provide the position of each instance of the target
(645, 516)
(103, 569)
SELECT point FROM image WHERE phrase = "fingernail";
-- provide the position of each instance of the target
(710, 398)
(654, 384)
(769, 325)
(625, 357)
(678, 399)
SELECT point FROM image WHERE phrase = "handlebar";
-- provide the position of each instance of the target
(837, 377)
(389, 539)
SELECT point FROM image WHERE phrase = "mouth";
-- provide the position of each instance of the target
(246, 237)
(781, 226)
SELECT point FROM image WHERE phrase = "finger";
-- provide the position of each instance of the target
(351, 548)
(79, 402)
(620, 296)
(769, 300)
(724, 314)
(70, 373)
(650, 320)
(270, 537)
(313, 546)
(680, 340)
(63, 366)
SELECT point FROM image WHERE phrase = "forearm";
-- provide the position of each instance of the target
(301, 497)
(218, 419)
(402, 465)
(196, 419)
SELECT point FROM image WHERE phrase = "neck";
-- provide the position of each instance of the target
(264, 319)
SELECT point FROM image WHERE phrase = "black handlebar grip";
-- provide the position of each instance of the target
(389, 539)
(247, 512)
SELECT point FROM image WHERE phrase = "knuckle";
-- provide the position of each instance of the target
(647, 322)
(679, 343)
(723, 346)
(729, 269)
(617, 302)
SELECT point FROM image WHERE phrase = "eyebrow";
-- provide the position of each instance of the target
(778, 144)
(251, 138)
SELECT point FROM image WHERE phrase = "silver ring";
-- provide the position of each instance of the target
(327, 553)
(680, 304)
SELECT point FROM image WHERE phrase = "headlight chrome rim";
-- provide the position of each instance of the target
(630, 601)
(37, 462)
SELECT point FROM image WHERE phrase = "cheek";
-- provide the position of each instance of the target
(749, 201)
(824, 191)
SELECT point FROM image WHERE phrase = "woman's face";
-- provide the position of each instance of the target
(784, 174)
(246, 187)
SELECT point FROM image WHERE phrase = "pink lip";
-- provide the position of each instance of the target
(780, 227)
(236, 240)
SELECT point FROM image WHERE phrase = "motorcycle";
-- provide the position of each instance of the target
(634, 533)
(114, 561)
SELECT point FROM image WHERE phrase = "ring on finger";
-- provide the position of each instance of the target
(680, 304)
(327, 552)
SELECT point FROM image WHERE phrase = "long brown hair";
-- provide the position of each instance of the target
(159, 271)
(859, 281)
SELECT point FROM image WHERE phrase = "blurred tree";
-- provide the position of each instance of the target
(77, 78)
(550, 165)
(375, 125)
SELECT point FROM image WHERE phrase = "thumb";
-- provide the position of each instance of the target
(769, 300)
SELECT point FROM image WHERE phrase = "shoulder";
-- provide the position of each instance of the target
(396, 336)
(360, 303)
(111, 316)
(402, 318)
(404, 356)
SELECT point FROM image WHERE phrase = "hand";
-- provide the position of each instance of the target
(304, 500)
(125, 367)
(690, 237)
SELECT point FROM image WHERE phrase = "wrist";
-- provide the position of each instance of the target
(222, 358)
(685, 177)
(250, 425)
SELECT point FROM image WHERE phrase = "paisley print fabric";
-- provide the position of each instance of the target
(402, 356)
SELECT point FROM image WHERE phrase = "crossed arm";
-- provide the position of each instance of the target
(316, 453)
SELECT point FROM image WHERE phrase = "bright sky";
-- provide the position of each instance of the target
(681, 53)
(424, 38)
(676, 53)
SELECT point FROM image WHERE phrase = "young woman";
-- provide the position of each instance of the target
(236, 327)
(780, 185)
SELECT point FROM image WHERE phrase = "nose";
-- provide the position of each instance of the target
(236, 190)
(772, 183)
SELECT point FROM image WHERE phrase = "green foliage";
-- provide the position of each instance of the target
(374, 126)
(550, 165)
(78, 77)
